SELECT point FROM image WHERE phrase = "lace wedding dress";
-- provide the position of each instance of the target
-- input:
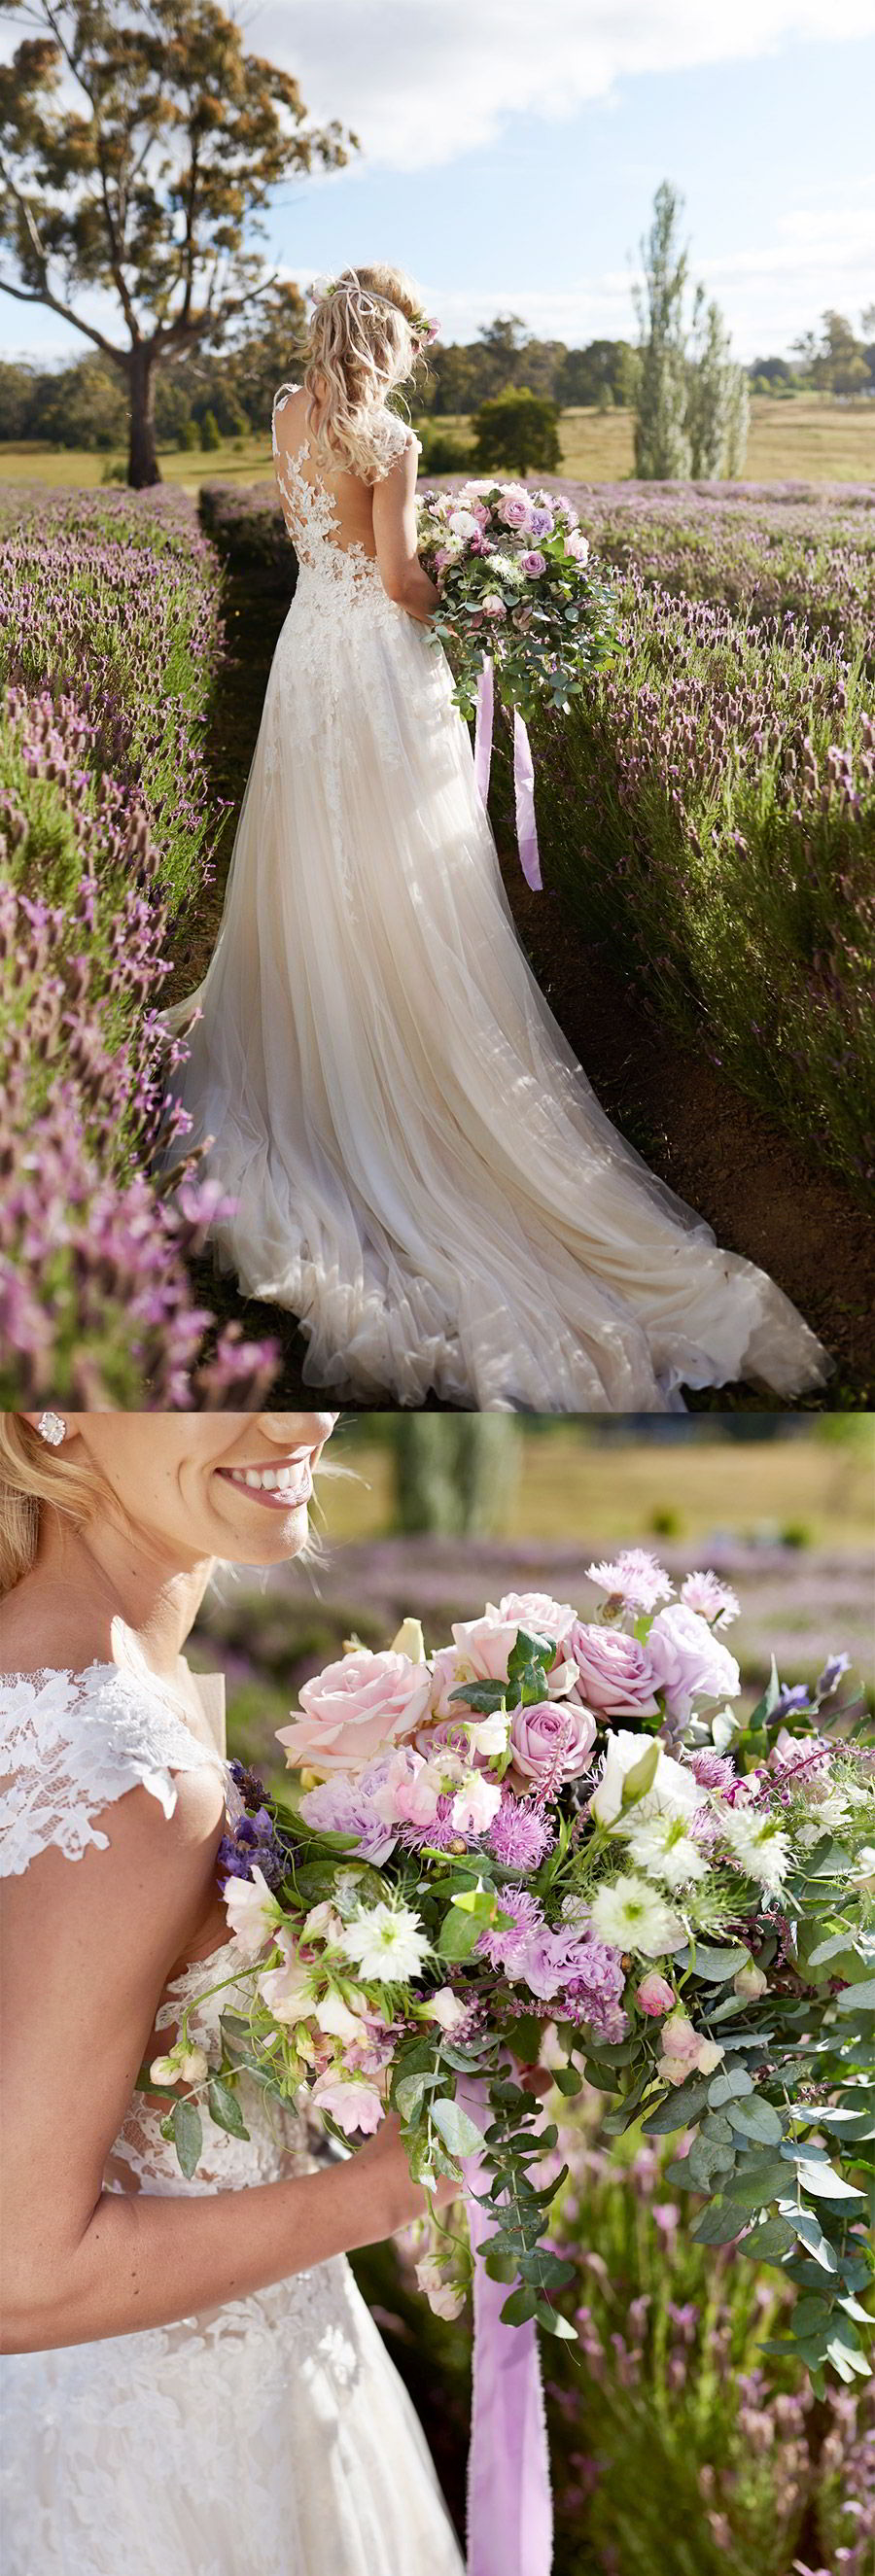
(420, 1168)
(267, 2437)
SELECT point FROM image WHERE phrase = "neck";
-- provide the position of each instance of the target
(103, 1574)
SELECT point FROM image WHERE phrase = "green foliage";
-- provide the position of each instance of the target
(517, 428)
(210, 433)
(93, 197)
(453, 1475)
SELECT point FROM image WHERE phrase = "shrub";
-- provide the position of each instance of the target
(517, 428)
(210, 433)
(709, 808)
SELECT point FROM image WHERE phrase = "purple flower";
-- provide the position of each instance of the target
(533, 563)
(520, 1834)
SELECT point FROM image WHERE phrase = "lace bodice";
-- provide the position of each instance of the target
(311, 517)
(70, 1745)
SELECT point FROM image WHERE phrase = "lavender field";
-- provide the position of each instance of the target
(109, 635)
(707, 815)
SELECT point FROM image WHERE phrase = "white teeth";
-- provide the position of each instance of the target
(270, 1480)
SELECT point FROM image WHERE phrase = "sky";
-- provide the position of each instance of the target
(511, 150)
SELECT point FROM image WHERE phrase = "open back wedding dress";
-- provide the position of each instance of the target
(421, 1170)
(270, 2436)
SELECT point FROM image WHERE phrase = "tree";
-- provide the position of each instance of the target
(662, 446)
(691, 400)
(718, 408)
(138, 148)
(454, 1472)
(518, 428)
(584, 375)
(16, 400)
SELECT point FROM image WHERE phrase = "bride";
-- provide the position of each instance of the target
(420, 1169)
(192, 2384)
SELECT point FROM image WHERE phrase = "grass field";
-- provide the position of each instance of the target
(567, 1486)
(811, 439)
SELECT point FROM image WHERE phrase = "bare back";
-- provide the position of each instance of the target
(353, 501)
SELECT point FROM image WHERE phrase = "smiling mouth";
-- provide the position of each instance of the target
(280, 1488)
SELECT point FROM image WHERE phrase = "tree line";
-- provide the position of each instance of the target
(140, 146)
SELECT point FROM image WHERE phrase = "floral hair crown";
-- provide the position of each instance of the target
(423, 326)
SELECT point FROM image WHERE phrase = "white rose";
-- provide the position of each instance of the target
(674, 1791)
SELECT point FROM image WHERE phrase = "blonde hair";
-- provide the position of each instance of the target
(365, 336)
(35, 1479)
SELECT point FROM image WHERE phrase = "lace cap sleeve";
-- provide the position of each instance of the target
(279, 403)
(72, 1743)
(395, 435)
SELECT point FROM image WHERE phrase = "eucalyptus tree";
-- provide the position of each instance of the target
(139, 146)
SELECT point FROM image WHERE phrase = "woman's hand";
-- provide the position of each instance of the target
(384, 2160)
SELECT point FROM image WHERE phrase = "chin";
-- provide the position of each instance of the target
(285, 1534)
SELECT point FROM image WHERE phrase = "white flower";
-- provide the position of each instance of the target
(463, 523)
(489, 1734)
(757, 1845)
(662, 1847)
(750, 1982)
(710, 2054)
(674, 1790)
(253, 1912)
(288, 1990)
(445, 2297)
(631, 1916)
(476, 1801)
(194, 2064)
(386, 1942)
(445, 2008)
(334, 2017)
(164, 2070)
(863, 1872)
(322, 1923)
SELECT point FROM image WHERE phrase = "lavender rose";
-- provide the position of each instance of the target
(553, 1739)
(533, 563)
(616, 1674)
(687, 1660)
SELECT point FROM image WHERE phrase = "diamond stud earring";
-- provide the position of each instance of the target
(53, 1428)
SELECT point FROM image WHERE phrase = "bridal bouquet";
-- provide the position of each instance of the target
(563, 1819)
(521, 608)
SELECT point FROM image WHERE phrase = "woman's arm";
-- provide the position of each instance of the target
(401, 572)
(88, 1947)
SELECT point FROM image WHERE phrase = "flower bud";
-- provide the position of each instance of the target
(654, 1995)
(194, 2064)
(750, 1982)
(164, 2070)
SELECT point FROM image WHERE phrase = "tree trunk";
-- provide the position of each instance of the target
(143, 466)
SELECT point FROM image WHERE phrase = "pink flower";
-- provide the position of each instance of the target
(493, 606)
(655, 1995)
(349, 2101)
(688, 1661)
(533, 563)
(616, 1674)
(536, 1612)
(553, 1740)
(355, 1708)
(515, 513)
(713, 1600)
(442, 557)
(635, 1577)
(577, 546)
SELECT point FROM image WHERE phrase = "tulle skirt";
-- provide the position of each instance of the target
(421, 1170)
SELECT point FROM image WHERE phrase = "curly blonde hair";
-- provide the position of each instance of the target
(365, 336)
(34, 1480)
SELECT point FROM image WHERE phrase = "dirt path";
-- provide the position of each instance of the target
(762, 1195)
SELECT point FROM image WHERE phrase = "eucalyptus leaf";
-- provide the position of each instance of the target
(188, 2136)
(454, 2126)
(856, 1998)
(772, 2238)
(754, 2118)
(717, 2225)
(224, 2108)
(752, 2186)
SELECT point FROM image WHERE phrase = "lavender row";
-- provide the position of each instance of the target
(113, 599)
(95, 1304)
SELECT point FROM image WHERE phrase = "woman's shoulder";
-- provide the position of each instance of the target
(72, 1742)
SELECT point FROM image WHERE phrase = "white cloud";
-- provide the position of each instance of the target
(424, 80)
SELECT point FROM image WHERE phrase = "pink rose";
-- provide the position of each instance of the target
(578, 547)
(482, 1647)
(493, 606)
(515, 514)
(616, 1674)
(533, 563)
(687, 1661)
(354, 1708)
(555, 1737)
(654, 1994)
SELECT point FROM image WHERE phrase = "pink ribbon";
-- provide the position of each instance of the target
(523, 773)
(510, 2511)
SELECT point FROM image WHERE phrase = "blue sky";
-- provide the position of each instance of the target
(511, 156)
